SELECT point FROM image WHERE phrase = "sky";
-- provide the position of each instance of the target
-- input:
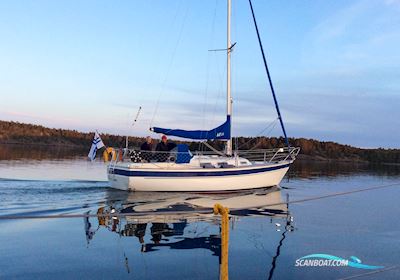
(90, 65)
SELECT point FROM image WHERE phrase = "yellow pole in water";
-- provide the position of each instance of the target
(224, 212)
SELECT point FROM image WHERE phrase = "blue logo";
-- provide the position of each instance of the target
(329, 260)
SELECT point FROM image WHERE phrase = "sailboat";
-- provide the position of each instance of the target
(182, 170)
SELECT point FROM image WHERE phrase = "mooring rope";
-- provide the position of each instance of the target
(198, 211)
(372, 272)
(335, 194)
(224, 212)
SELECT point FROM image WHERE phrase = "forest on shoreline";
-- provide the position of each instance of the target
(29, 134)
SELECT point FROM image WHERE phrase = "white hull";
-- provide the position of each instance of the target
(197, 180)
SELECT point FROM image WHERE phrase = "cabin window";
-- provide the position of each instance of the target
(207, 165)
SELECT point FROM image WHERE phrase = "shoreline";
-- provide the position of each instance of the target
(301, 158)
(21, 134)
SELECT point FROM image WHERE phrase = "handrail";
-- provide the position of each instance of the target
(271, 155)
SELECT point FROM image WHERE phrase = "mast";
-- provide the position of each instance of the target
(228, 78)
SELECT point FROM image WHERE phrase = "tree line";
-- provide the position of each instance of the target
(21, 133)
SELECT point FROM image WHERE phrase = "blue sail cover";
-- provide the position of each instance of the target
(222, 132)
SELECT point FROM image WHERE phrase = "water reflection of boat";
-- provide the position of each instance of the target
(175, 207)
(162, 220)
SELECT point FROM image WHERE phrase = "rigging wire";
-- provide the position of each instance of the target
(208, 60)
(200, 148)
(133, 124)
(213, 149)
(166, 42)
(270, 125)
(220, 74)
(170, 65)
(221, 89)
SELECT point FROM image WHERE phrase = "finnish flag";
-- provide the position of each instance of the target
(97, 144)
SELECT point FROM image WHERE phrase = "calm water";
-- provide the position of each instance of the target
(168, 236)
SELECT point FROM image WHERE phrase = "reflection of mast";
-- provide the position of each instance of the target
(278, 252)
(127, 263)
(288, 227)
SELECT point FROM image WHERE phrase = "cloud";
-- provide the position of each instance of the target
(362, 35)
(392, 2)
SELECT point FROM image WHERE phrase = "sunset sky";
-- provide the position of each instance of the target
(89, 65)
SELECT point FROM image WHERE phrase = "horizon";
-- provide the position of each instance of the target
(90, 65)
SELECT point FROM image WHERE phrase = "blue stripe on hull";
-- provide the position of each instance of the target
(138, 173)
